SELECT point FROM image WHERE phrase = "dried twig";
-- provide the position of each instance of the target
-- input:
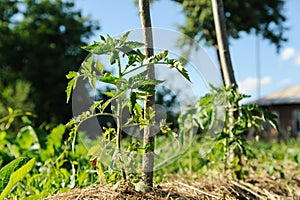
(247, 189)
(198, 190)
(269, 194)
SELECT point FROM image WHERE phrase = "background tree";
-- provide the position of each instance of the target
(265, 18)
(41, 43)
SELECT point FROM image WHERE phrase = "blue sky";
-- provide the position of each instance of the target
(277, 71)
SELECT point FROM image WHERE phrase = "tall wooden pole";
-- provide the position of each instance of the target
(223, 47)
(149, 131)
(228, 74)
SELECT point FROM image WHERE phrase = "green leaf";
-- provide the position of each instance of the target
(99, 67)
(98, 48)
(109, 78)
(138, 113)
(140, 54)
(95, 105)
(26, 120)
(12, 173)
(133, 44)
(72, 74)
(70, 87)
(140, 80)
(124, 37)
(87, 64)
(93, 82)
(102, 38)
(132, 102)
(56, 136)
(161, 55)
(27, 138)
(145, 88)
(173, 63)
(114, 55)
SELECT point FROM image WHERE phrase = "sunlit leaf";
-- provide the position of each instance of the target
(109, 78)
(87, 64)
(72, 74)
(93, 82)
(70, 87)
(99, 66)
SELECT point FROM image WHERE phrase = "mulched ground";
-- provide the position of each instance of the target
(179, 188)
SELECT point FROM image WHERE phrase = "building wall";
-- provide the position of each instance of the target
(286, 122)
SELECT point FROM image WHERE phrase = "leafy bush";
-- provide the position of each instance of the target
(132, 86)
(40, 160)
(222, 126)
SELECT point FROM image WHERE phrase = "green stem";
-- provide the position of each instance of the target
(141, 66)
(119, 68)
(119, 122)
(190, 154)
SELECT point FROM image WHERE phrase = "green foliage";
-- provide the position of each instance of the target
(40, 43)
(129, 93)
(14, 95)
(38, 162)
(12, 173)
(223, 125)
(265, 18)
(49, 166)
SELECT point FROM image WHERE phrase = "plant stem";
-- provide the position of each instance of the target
(190, 152)
(119, 68)
(119, 131)
(119, 123)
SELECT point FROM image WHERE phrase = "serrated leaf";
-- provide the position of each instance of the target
(141, 79)
(87, 64)
(109, 78)
(70, 87)
(173, 63)
(145, 88)
(98, 48)
(124, 37)
(161, 55)
(71, 74)
(184, 73)
(133, 44)
(138, 113)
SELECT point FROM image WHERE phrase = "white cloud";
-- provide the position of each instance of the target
(250, 84)
(285, 81)
(287, 53)
(297, 60)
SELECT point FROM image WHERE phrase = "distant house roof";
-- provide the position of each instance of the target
(290, 95)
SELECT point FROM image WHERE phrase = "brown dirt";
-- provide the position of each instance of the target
(254, 187)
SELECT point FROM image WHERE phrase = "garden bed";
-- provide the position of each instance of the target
(253, 187)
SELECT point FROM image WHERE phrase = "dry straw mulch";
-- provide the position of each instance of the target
(254, 187)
